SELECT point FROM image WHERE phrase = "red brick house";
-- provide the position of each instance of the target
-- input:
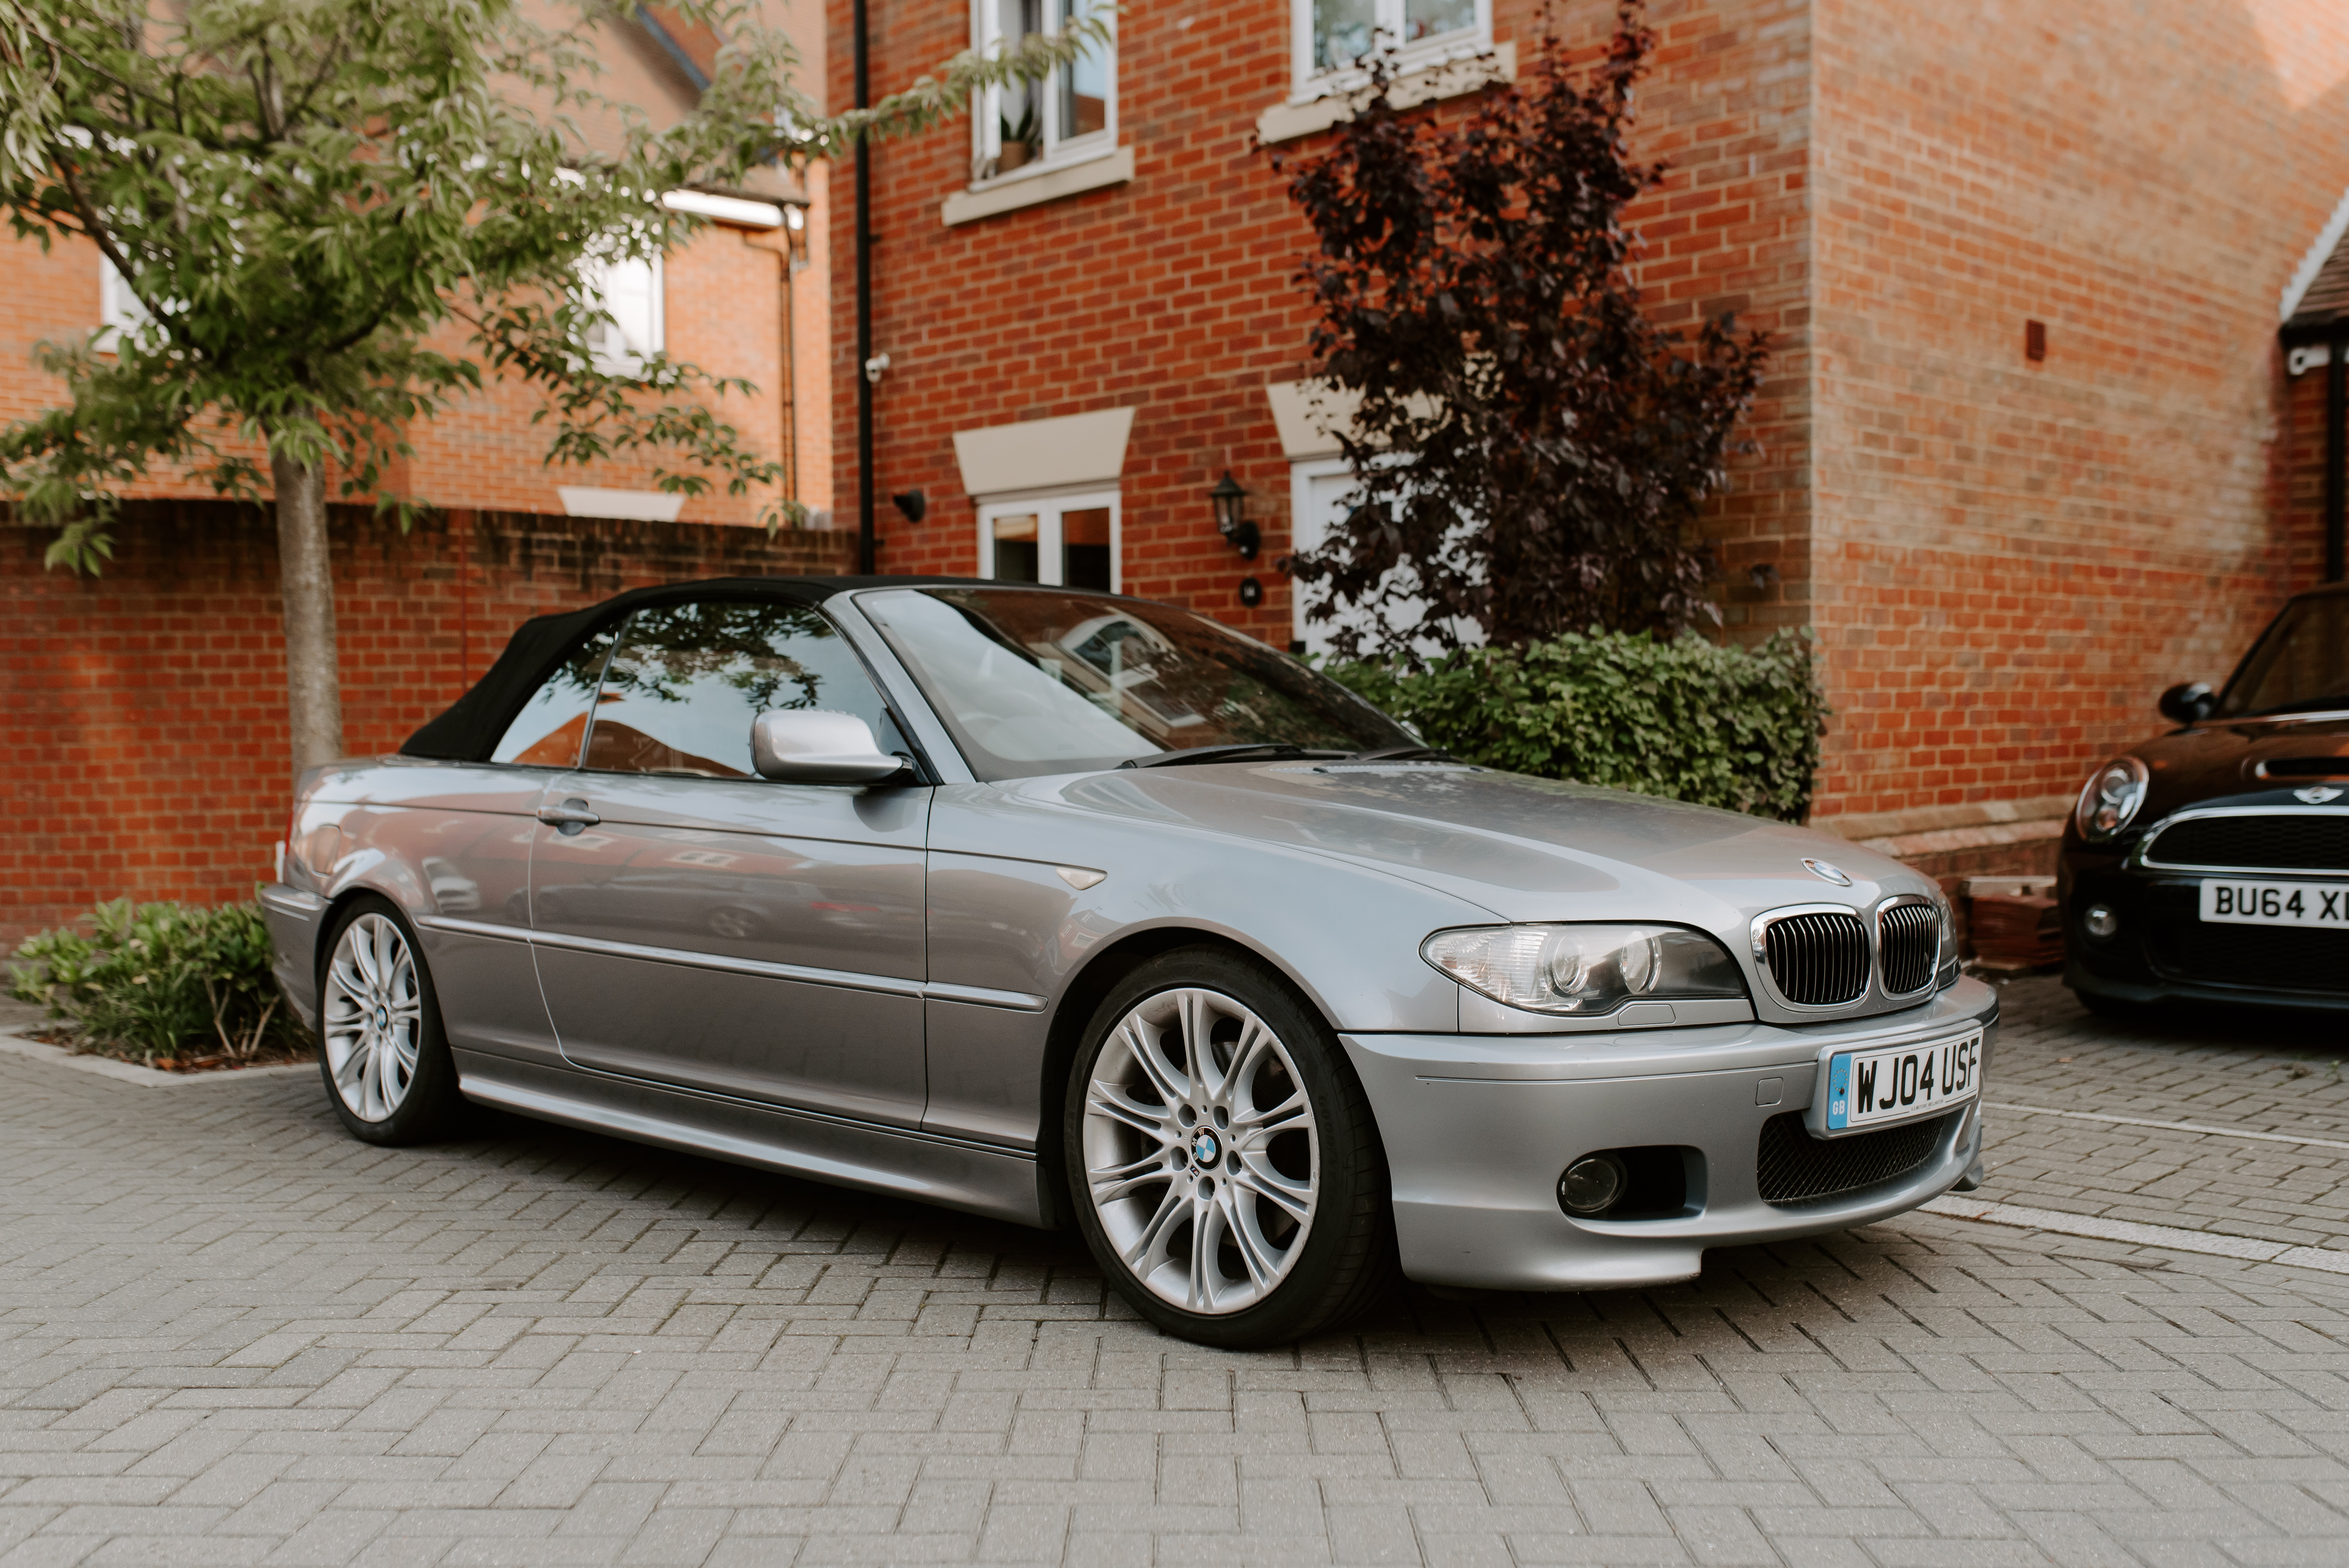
(144, 712)
(2030, 450)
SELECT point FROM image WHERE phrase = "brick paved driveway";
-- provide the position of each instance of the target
(230, 1334)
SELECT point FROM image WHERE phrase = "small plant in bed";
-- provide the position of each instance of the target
(170, 985)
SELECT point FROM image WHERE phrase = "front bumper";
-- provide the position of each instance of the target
(2162, 952)
(1477, 1129)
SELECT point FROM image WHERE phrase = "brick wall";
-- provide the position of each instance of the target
(2014, 558)
(143, 712)
(1175, 294)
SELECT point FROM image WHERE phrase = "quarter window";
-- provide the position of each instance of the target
(1068, 116)
(1069, 542)
(681, 688)
(1334, 37)
(553, 725)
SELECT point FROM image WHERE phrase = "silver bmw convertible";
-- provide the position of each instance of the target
(1058, 907)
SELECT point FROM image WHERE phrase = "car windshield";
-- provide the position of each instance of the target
(2299, 666)
(1035, 681)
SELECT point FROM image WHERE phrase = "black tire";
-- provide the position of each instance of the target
(1346, 1258)
(429, 1105)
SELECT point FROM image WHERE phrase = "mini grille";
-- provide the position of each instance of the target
(1910, 946)
(1817, 960)
(1792, 1167)
(2283, 841)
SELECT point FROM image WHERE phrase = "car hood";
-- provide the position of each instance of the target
(2211, 761)
(1526, 849)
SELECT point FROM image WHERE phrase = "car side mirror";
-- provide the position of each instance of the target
(2188, 703)
(811, 746)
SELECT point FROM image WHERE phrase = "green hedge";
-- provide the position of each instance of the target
(1689, 720)
(158, 980)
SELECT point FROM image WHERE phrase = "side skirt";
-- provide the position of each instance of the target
(999, 1183)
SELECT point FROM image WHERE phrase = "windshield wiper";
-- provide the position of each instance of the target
(1404, 754)
(1248, 751)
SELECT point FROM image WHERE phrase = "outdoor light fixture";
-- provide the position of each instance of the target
(1231, 502)
(912, 504)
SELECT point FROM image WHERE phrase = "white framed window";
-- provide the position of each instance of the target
(119, 313)
(1322, 492)
(632, 292)
(1068, 117)
(1332, 37)
(1066, 540)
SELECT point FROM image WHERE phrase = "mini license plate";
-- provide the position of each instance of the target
(1875, 1089)
(2276, 904)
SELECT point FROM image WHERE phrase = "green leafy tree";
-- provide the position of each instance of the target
(307, 198)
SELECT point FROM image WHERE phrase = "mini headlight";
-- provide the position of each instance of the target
(1587, 971)
(2111, 799)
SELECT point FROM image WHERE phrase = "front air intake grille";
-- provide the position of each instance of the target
(1817, 960)
(1792, 1167)
(2263, 840)
(1908, 946)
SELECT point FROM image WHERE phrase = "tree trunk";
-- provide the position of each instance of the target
(314, 687)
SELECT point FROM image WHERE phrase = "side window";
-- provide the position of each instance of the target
(552, 723)
(686, 681)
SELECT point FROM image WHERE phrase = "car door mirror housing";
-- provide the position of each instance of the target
(2190, 702)
(811, 746)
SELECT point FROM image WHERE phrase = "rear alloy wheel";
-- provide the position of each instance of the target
(1226, 1172)
(382, 1052)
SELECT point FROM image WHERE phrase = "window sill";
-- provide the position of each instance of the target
(1452, 78)
(1113, 168)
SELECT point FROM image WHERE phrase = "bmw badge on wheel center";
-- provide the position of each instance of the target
(1069, 909)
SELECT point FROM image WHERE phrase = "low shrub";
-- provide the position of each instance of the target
(158, 980)
(1688, 719)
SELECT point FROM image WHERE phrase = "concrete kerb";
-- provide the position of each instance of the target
(131, 1072)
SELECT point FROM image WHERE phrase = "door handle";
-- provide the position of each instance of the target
(571, 817)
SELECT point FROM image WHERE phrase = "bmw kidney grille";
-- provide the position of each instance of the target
(1819, 960)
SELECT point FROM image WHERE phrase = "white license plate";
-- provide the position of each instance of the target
(1871, 1089)
(2276, 904)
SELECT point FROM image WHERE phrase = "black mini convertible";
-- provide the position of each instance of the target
(2213, 864)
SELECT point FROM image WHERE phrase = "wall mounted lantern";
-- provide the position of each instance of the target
(1231, 505)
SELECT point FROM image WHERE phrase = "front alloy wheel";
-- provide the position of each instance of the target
(385, 1059)
(1226, 1170)
(1200, 1153)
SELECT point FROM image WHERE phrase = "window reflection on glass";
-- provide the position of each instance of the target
(1015, 550)
(1084, 548)
(1083, 86)
(549, 729)
(1033, 681)
(1430, 18)
(681, 689)
(1342, 32)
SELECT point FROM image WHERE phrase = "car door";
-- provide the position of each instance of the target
(698, 925)
(470, 843)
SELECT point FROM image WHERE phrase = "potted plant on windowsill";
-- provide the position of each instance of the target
(1022, 143)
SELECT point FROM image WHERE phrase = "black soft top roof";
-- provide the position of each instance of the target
(468, 730)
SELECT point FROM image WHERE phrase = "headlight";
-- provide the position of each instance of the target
(2111, 799)
(1947, 974)
(1585, 970)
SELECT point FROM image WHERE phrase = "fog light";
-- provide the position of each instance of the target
(1591, 1184)
(2100, 922)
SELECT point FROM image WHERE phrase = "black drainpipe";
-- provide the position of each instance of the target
(2336, 454)
(865, 542)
